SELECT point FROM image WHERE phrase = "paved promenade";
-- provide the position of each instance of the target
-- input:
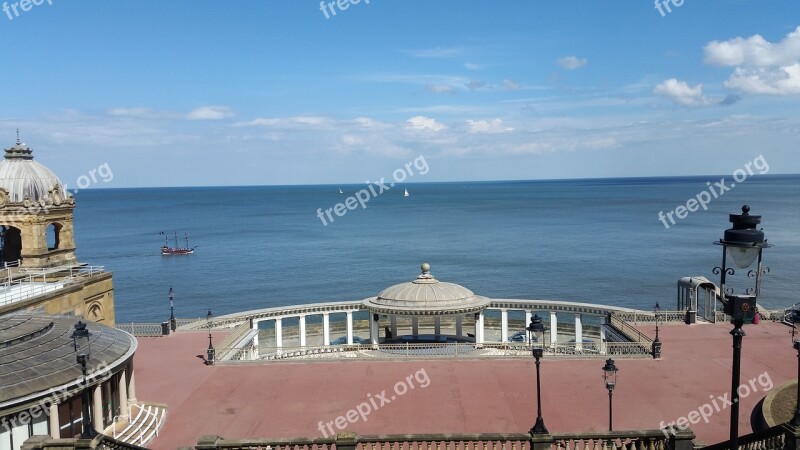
(459, 396)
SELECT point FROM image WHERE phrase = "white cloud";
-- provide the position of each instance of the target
(287, 122)
(424, 123)
(436, 52)
(132, 112)
(681, 93)
(510, 85)
(471, 66)
(210, 113)
(571, 62)
(474, 85)
(761, 67)
(754, 51)
(487, 126)
(439, 88)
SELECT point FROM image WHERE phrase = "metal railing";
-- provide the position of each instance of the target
(30, 283)
(630, 332)
(649, 316)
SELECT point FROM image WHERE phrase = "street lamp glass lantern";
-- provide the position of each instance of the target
(610, 374)
(743, 241)
(535, 330)
(81, 339)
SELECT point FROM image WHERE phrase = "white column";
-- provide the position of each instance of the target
(254, 326)
(55, 429)
(131, 385)
(278, 332)
(97, 408)
(373, 329)
(122, 391)
(415, 325)
(302, 330)
(479, 328)
(553, 327)
(528, 315)
(503, 325)
(393, 325)
(602, 336)
(349, 327)
(459, 325)
(326, 329)
(578, 333)
(437, 325)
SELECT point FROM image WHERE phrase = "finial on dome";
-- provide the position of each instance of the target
(426, 268)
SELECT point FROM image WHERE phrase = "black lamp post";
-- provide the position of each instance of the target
(535, 335)
(172, 322)
(210, 350)
(796, 344)
(743, 244)
(81, 341)
(610, 378)
(657, 342)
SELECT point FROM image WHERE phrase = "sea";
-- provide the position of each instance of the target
(593, 240)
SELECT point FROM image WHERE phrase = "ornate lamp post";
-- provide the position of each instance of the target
(535, 334)
(81, 341)
(796, 344)
(172, 323)
(657, 342)
(210, 350)
(742, 243)
(610, 378)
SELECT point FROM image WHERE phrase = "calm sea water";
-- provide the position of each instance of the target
(596, 241)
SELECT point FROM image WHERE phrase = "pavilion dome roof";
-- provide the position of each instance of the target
(22, 177)
(426, 295)
(37, 354)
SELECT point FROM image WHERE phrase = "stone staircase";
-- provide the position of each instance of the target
(144, 422)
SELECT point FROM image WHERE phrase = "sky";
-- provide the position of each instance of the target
(267, 92)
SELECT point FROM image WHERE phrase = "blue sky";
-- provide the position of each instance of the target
(201, 92)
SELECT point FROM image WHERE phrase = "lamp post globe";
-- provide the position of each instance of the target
(82, 343)
(610, 380)
(535, 335)
(743, 244)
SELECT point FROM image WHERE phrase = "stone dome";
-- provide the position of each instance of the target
(23, 177)
(426, 296)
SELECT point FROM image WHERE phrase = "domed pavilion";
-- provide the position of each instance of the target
(426, 296)
(36, 213)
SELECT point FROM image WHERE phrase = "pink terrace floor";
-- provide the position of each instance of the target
(463, 396)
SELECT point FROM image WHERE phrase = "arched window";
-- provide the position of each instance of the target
(10, 245)
(53, 239)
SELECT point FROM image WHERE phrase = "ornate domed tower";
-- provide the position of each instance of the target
(36, 213)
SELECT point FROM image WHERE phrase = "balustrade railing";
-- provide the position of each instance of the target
(438, 350)
(142, 329)
(779, 437)
(618, 440)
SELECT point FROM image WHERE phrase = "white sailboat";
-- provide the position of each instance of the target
(405, 194)
(340, 191)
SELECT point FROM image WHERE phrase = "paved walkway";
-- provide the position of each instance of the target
(459, 396)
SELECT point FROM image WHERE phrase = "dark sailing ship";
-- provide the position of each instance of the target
(166, 250)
